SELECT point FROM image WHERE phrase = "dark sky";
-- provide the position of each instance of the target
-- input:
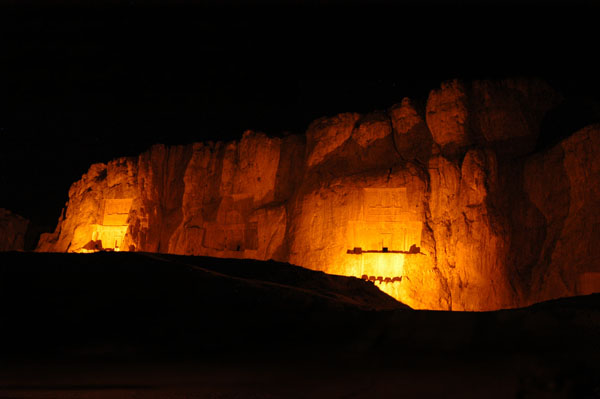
(80, 85)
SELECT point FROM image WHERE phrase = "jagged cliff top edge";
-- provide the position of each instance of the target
(421, 110)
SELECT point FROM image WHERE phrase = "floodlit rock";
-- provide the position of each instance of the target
(325, 135)
(447, 114)
(371, 211)
(469, 234)
(91, 212)
(233, 194)
(405, 118)
(371, 128)
(156, 210)
(12, 231)
(442, 211)
(412, 137)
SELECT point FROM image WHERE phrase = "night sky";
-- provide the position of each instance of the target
(80, 85)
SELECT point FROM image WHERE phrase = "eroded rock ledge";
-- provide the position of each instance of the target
(442, 208)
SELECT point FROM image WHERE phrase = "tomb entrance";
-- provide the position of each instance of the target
(114, 225)
(386, 221)
(384, 233)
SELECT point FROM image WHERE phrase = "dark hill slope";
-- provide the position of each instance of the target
(155, 326)
(126, 303)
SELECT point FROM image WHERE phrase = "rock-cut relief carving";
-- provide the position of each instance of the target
(109, 234)
(386, 223)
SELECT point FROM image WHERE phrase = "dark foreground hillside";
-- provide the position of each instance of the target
(135, 325)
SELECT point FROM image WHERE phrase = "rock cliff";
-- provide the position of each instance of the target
(12, 231)
(442, 207)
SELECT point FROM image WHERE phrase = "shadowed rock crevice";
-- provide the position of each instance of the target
(548, 190)
(526, 224)
(570, 116)
(291, 167)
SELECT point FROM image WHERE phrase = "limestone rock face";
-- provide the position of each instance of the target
(12, 231)
(442, 208)
(370, 211)
(562, 185)
(327, 134)
(218, 199)
(373, 127)
(504, 114)
(233, 201)
(510, 112)
(92, 205)
(156, 209)
(447, 114)
(412, 137)
(470, 235)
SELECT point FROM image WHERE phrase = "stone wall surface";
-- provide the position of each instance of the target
(444, 207)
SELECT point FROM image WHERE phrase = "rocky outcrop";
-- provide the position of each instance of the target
(442, 206)
(235, 195)
(12, 231)
(217, 199)
(89, 204)
(562, 186)
(325, 135)
(447, 115)
(505, 115)
(470, 236)
(412, 137)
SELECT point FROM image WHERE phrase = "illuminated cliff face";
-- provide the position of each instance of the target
(440, 208)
